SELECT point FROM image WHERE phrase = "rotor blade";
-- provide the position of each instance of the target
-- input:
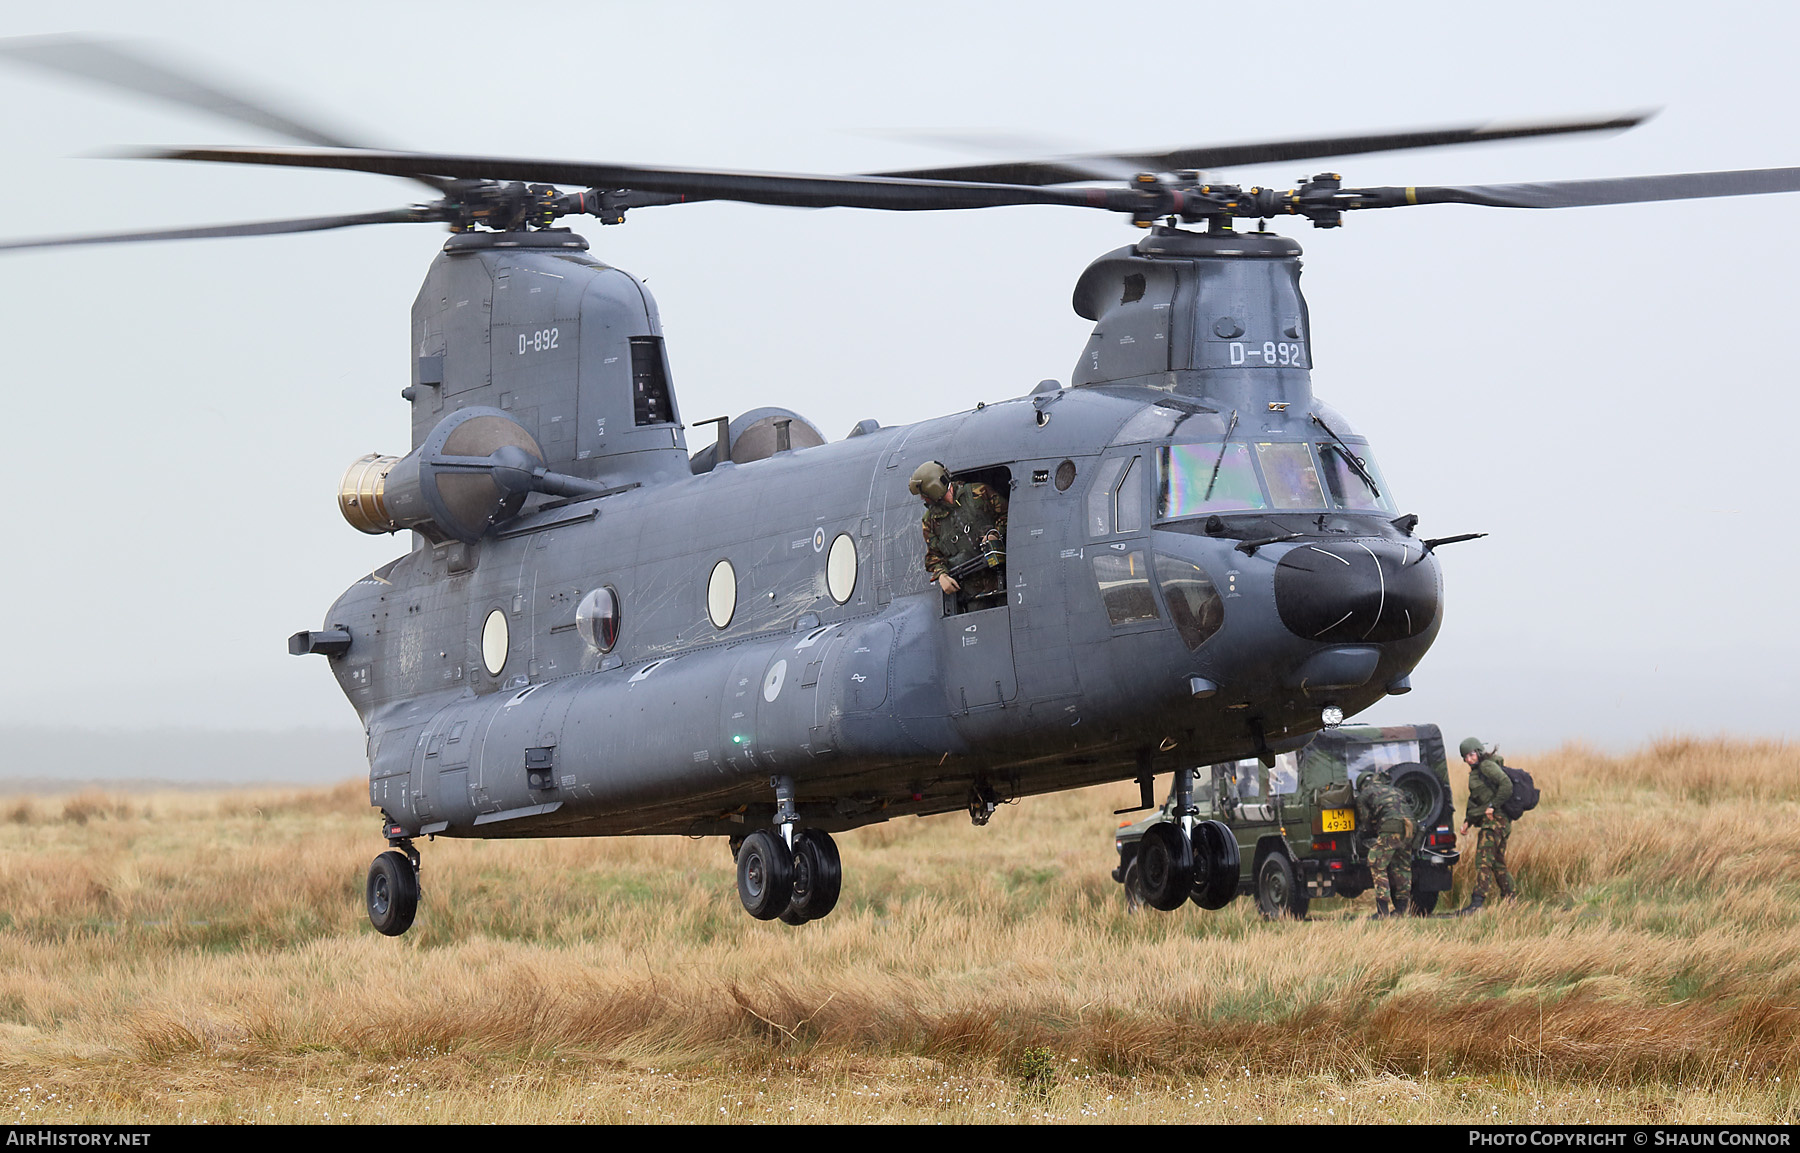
(107, 62)
(111, 63)
(1582, 193)
(262, 228)
(1074, 168)
(1110, 168)
(799, 191)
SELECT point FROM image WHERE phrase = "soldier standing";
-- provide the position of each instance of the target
(1381, 809)
(960, 521)
(1489, 789)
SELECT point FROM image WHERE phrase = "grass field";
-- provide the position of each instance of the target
(205, 957)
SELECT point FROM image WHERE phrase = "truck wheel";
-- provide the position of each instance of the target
(1134, 888)
(1423, 903)
(1165, 864)
(1217, 874)
(1278, 893)
(1424, 793)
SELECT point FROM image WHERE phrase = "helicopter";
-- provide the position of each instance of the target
(599, 631)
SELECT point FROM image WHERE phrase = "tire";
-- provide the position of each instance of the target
(1424, 793)
(818, 876)
(392, 893)
(1278, 892)
(765, 875)
(1134, 887)
(1423, 904)
(1216, 878)
(1165, 864)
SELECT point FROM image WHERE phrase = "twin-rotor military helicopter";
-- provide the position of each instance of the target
(1202, 560)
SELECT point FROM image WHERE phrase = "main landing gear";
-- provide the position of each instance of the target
(1182, 859)
(393, 889)
(787, 874)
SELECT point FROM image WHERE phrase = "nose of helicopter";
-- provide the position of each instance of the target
(1357, 591)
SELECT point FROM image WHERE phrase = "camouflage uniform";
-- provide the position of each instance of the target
(1489, 786)
(1382, 809)
(953, 532)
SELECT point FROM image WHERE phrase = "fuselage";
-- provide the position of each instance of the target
(888, 703)
(1200, 558)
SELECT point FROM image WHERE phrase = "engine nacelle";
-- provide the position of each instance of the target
(473, 471)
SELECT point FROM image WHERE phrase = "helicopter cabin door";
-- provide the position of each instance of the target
(978, 659)
(975, 633)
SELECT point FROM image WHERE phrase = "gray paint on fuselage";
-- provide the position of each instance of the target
(884, 705)
(630, 741)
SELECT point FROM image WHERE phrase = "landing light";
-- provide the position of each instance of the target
(1331, 716)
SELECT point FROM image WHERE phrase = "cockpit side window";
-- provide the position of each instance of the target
(1116, 502)
(1100, 496)
(1194, 604)
(1130, 500)
(1124, 581)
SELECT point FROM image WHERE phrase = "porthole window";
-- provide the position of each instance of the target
(494, 642)
(840, 568)
(1065, 475)
(721, 594)
(597, 619)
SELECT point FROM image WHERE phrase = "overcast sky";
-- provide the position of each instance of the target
(1609, 392)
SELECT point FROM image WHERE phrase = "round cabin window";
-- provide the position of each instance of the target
(494, 642)
(597, 619)
(840, 568)
(721, 594)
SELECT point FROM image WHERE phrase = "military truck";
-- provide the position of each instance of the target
(1294, 822)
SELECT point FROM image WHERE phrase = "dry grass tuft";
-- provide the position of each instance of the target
(85, 806)
(206, 957)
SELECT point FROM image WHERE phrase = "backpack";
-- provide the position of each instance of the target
(1524, 793)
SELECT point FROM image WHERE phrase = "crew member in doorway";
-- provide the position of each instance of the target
(965, 534)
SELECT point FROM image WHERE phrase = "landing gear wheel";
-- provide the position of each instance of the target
(1423, 904)
(818, 875)
(1217, 865)
(1165, 865)
(392, 893)
(1278, 893)
(765, 875)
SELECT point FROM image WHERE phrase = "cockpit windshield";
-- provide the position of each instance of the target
(1235, 476)
(1354, 483)
(1287, 467)
(1194, 478)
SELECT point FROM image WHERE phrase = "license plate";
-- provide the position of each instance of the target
(1337, 820)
